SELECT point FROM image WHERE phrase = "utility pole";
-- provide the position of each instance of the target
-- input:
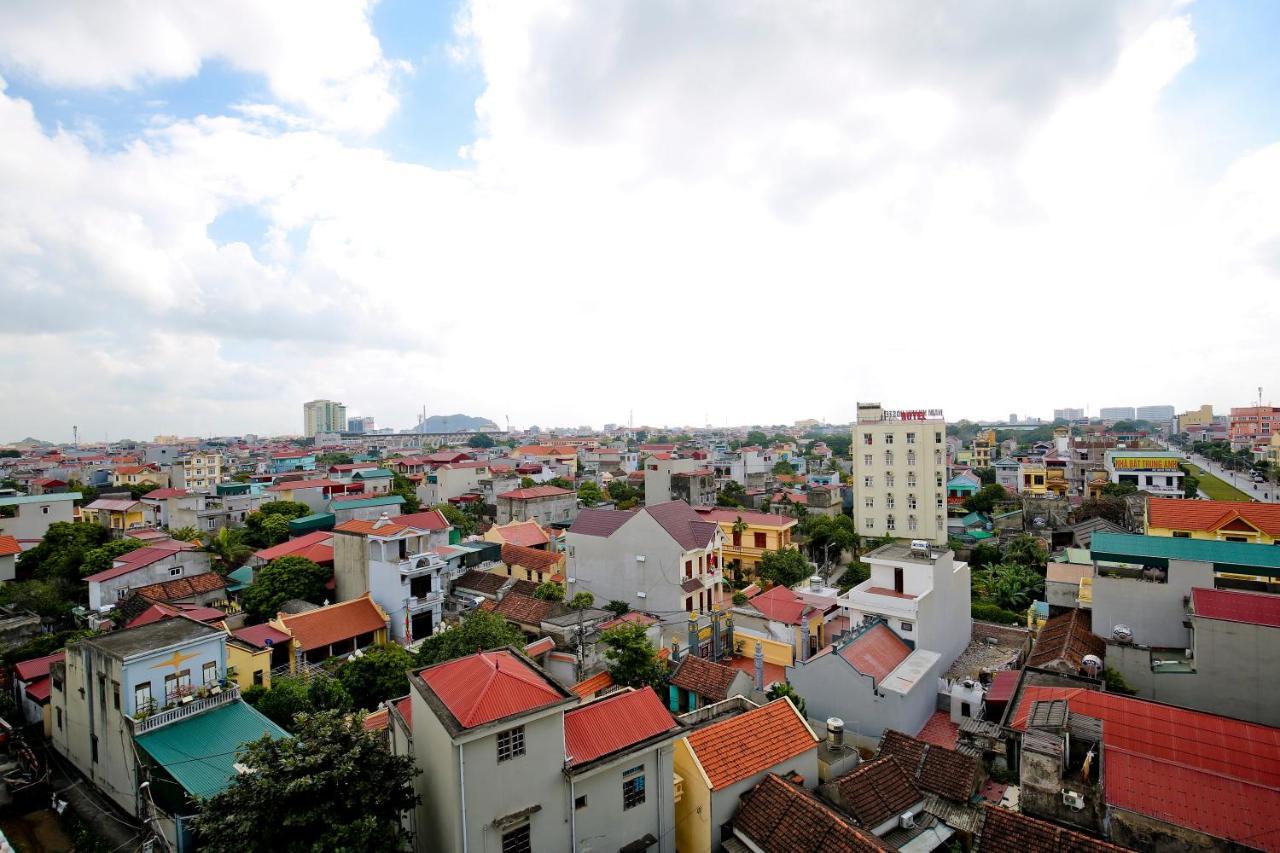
(581, 646)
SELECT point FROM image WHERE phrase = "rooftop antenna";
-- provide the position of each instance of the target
(75, 436)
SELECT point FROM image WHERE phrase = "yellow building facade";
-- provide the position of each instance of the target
(748, 535)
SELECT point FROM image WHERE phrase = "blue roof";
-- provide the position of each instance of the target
(40, 499)
(200, 752)
(1157, 551)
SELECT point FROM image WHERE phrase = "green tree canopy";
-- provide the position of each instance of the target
(100, 559)
(185, 534)
(986, 475)
(380, 674)
(782, 466)
(731, 494)
(333, 787)
(618, 607)
(782, 688)
(479, 630)
(227, 548)
(1026, 550)
(62, 551)
(480, 440)
(286, 509)
(290, 695)
(756, 436)
(464, 522)
(582, 600)
(324, 460)
(1008, 585)
(786, 567)
(549, 591)
(280, 580)
(986, 498)
(51, 599)
(589, 493)
(633, 662)
(404, 487)
(1119, 490)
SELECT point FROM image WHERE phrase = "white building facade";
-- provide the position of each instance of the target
(900, 473)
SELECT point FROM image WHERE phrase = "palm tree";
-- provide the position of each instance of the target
(1008, 585)
(739, 527)
(185, 534)
(227, 549)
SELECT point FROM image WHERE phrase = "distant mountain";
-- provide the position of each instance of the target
(455, 423)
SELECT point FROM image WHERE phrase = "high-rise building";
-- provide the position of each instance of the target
(1156, 414)
(900, 473)
(361, 425)
(1116, 413)
(323, 416)
(1068, 414)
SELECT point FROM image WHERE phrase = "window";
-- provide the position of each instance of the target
(866, 438)
(184, 680)
(911, 479)
(175, 572)
(911, 438)
(170, 685)
(45, 510)
(871, 523)
(888, 438)
(115, 695)
(59, 716)
(580, 802)
(142, 696)
(517, 840)
(964, 710)
(1181, 534)
(257, 677)
(511, 744)
(760, 540)
(102, 691)
(938, 501)
(937, 479)
(937, 438)
(888, 481)
(688, 604)
(911, 522)
(889, 523)
(907, 627)
(889, 501)
(888, 457)
(868, 481)
(633, 787)
(866, 459)
(210, 672)
(911, 501)
(121, 593)
(868, 502)
(911, 457)
(940, 527)
(937, 457)
(93, 748)
(688, 568)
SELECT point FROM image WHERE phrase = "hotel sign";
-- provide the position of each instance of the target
(910, 414)
(1154, 463)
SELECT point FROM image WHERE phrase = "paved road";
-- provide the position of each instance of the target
(1266, 492)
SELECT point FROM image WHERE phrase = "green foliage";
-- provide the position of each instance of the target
(984, 554)
(618, 607)
(1190, 484)
(380, 674)
(324, 460)
(45, 644)
(782, 466)
(403, 486)
(138, 490)
(480, 440)
(270, 525)
(88, 494)
(854, 574)
(479, 630)
(732, 494)
(582, 600)
(560, 482)
(527, 483)
(1115, 682)
(1010, 586)
(994, 613)
(624, 495)
(51, 599)
(839, 443)
(62, 551)
(986, 498)
(633, 662)
(1119, 490)
(10, 454)
(333, 787)
(99, 559)
(986, 475)
(739, 599)
(1026, 550)
(290, 695)
(549, 591)
(281, 580)
(464, 522)
(829, 535)
(782, 688)
(227, 548)
(288, 510)
(757, 437)
(589, 493)
(786, 567)
(185, 534)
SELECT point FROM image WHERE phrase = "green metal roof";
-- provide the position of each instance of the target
(372, 474)
(311, 523)
(1157, 551)
(381, 500)
(200, 752)
(979, 534)
(240, 578)
(40, 499)
(974, 518)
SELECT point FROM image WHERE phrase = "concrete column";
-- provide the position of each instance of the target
(675, 650)
(804, 641)
(693, 633)
(715, 633)
(759, 666)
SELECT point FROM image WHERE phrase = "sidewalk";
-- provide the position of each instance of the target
(116, 829)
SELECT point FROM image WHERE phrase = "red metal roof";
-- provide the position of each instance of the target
(876, 653)
(614, 723)
(1211, 773)
(38, 690)
(488, 686)
(335, 623)
(290, 485)
(535, 492)
(600, 522)
(160, 494)
(9, 545)
(1176, 514)
(753, 742)
(431, 519)
(1253, 608)
(132, 561)
(29, 670)
(780, 604)
(526, 533)
(257, 635)
(293, 547)
(160, 611)
(1003, 683)
(593, 685)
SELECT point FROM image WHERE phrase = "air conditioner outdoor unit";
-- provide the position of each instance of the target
(1073, 800)
(907, 820)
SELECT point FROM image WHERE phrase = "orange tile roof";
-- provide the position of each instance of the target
(366, 528)
(876, 653)
(9, 545)
(529, 558)
(750, 743)
(1177, 514)
(296, 547)
(327, 625)
(593, 685)
(526, 533)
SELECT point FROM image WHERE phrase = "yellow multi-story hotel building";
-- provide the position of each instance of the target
(899, 473)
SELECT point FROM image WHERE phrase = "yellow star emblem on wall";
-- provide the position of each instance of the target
(175, 661)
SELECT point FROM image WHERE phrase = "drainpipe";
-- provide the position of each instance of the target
(573, 808)
(759, 667)
(730, 649)
(462, 784)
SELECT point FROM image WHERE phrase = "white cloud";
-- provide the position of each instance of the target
(746, 212)
(317, 55)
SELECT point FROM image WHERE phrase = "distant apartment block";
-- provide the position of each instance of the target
(1117, 413)
(1068, 414)
(323, 416)
(899, 473)
(1156, 414)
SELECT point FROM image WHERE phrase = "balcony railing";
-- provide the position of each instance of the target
(185, 709)
(431, 599)
(416, 564)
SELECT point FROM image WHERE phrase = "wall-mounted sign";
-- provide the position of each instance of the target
(1154, 463)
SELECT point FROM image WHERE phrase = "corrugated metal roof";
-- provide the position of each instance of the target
(1158, 550)
(876, 653)
(488, 686)
(614, 723)
(1176, 514)
(200, 752)
(750, 743)
(1253, 608)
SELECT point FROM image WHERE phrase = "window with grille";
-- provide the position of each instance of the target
(911, 479)
(889, 501)
(888, 481)
(911, 501)
(889, 523)
(911, 438)
(517, 840)
(633, 787)
(510, 745)
(888, 438)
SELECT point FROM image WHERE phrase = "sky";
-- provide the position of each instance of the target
(561, 213)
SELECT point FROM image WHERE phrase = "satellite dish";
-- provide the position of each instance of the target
(1122, 633)
(268, 642)
(1092, 665)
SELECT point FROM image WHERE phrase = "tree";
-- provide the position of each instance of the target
(62, 551)
(274, 530)
(786, 567)
(381, 673)
(986, 475)
(984, 554)
(137, 490)
(404, 487)
(464, 523)
(527, 483)
(582, 601)
(1026, 550)
(480, 440)
(287, 510)
(279, 581)
(589, 493)
(227, 549)
(324, 460)
(100, 559)
(50, 599)
(185, 534)
(618, 607)
(633, 662)
(1109, 508)
(333, 787)
(986, 498)
(479, 630)
(560, 482)
(270, 525)
(782, 466)
(549, 591)
(1119, 490)
(782, 688)
(290, 695)
(757, 437)
(732, 494)
(1008, 585)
